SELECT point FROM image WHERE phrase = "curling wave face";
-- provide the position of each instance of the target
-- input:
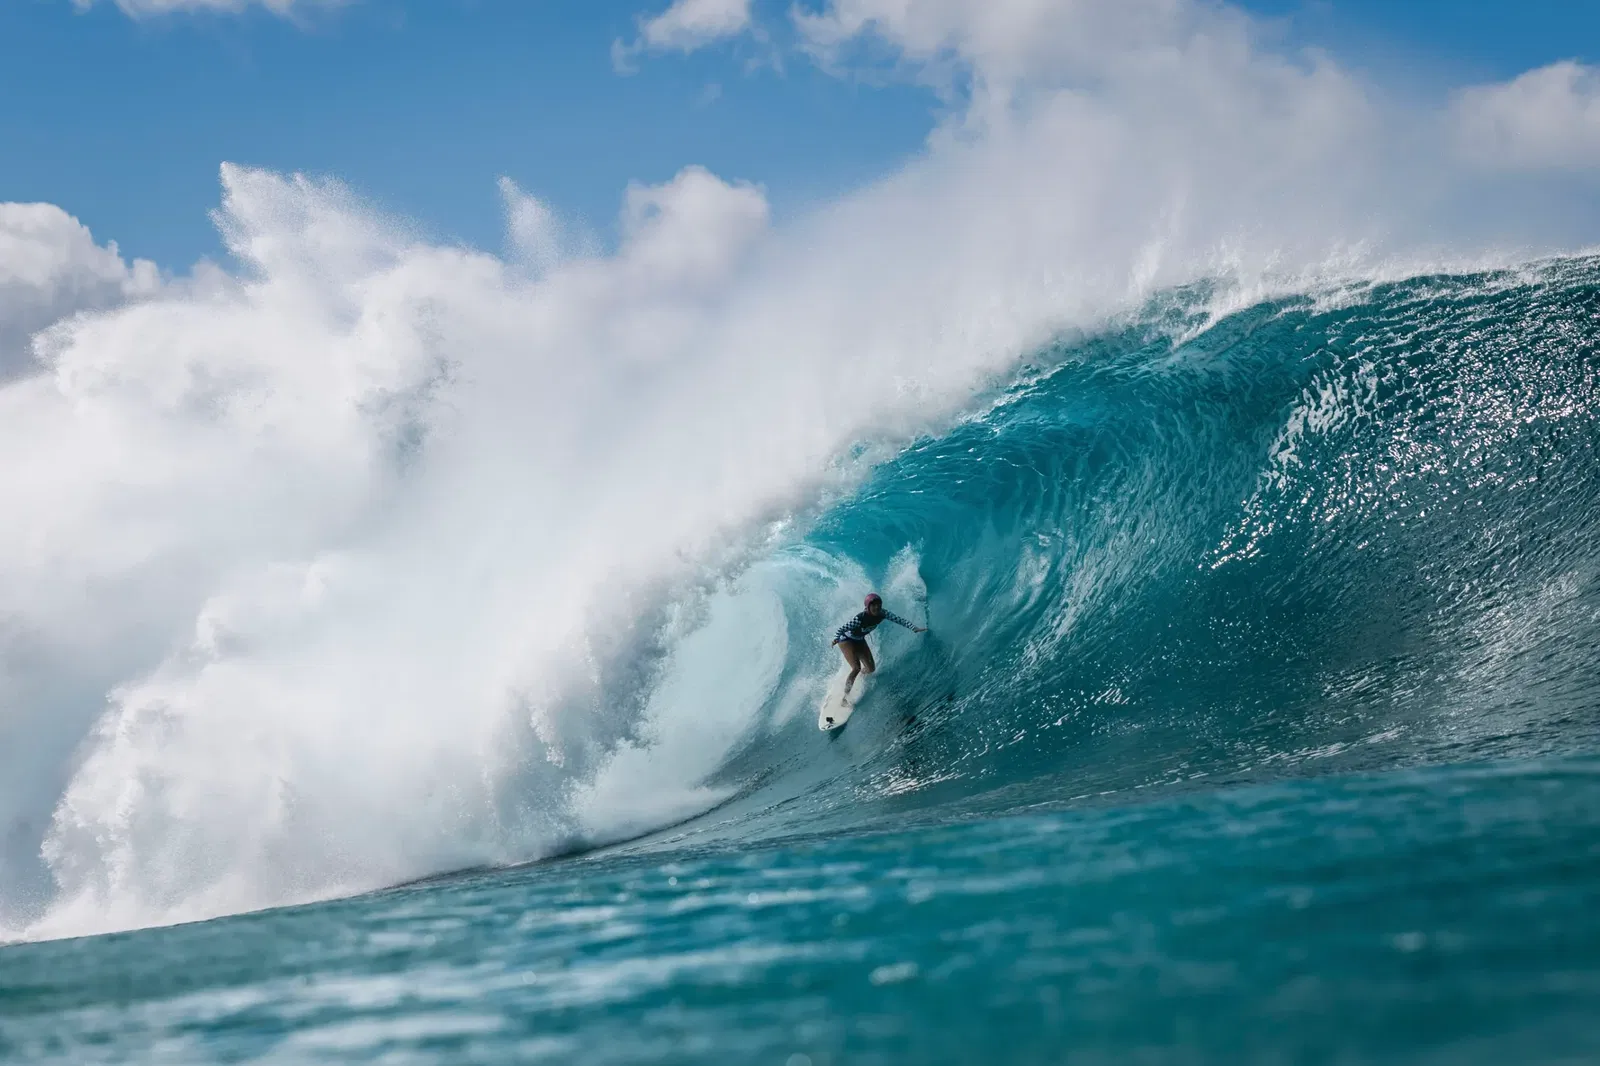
(1321, 534)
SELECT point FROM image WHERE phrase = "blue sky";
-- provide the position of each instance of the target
(420, 106)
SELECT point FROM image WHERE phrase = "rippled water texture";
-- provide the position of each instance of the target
(1257, 724)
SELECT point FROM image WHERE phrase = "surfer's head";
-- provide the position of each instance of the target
(874, 603)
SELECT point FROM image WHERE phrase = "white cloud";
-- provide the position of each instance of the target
(1547, 118)
(50, 268)
(141, 8)
(690, 24)
(1012, 37)
(684, 27)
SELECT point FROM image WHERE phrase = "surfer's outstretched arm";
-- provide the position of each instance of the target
(902, 621)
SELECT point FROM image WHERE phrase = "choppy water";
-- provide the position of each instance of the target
(1257, 723)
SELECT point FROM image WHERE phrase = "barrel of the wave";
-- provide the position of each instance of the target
(839, 702)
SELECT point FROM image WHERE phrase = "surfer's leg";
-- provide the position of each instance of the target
(868, 666)
(852, 655)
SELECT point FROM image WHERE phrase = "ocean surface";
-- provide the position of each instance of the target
(1258, 722)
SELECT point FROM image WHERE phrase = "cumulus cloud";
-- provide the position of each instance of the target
(1547, 118)
(51, 268)
(688, 24)
(1012, 37)
(684, 27)
(141, 8)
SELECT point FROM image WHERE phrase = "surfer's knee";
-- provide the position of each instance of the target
(867, 668)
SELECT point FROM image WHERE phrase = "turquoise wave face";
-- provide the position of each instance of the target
(1255, 724)
(1320, 535)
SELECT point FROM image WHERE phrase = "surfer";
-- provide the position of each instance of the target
(852, 637)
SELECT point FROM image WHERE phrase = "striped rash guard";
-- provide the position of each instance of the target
(862, 624)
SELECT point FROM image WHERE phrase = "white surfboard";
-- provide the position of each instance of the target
(836, 706)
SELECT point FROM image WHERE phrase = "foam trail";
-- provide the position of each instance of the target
(386, 555)
(697, 712)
